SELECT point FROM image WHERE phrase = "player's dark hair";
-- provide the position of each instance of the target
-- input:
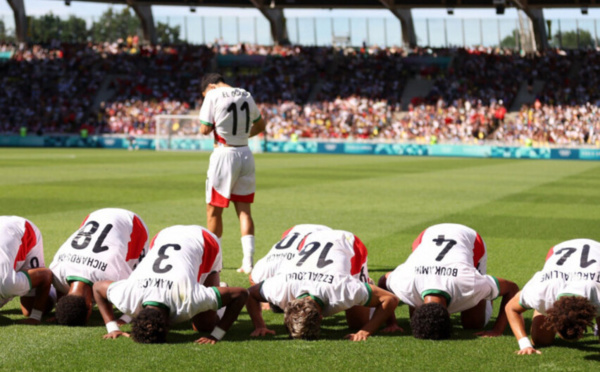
(211, 78)
(150, 326)
(71, 310)
(431, 322)
(570, 316)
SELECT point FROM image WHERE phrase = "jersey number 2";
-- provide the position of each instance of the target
(243, 107)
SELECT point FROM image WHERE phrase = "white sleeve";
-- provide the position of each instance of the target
(346, 294)
(207, 112)
(14, 283)
(273, 290)
(488, 286)
(204, 299)
(120, 294)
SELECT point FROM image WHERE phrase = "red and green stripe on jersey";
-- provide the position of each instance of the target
(28, 242)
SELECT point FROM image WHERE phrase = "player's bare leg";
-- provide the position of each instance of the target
(214, 220)
(474, 318)
(247, 231)
(540, 336)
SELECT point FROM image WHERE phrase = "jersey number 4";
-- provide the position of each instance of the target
(243, 107)
(441, 239)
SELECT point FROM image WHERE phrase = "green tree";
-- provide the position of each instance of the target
(166, 34)
(114, 25)
(43, 29)
(510, 41)
(74, 30)
(570, 40)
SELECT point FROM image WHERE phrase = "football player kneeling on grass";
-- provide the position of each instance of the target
(328, 275)
(108, 245)
(446, 274)
(565, 296)
(173, 284)
(22, 271)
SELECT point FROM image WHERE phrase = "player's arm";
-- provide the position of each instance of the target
(41, 280)
(384, 303)
(234, 298)
(206, 129)
(258, 127)
(391, 323)
(255, 311)
(514, 313)
(106, 309)
(508, 290)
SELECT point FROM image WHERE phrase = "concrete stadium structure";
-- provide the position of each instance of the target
(273, 12)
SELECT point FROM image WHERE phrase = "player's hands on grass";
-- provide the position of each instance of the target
(392, 328)
(491, 333)
(115, 334)
(528, 351)
(358, 336)
(206, 340)
(262, 332)
(29, 321)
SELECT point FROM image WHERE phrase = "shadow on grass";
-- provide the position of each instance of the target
(593, 357)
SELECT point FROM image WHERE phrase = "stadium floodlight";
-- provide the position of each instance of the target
(193, 9)
(584, 10)
(68, 2)
(500, 6)
(450, 11)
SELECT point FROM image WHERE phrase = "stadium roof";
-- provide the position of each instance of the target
(363, 4)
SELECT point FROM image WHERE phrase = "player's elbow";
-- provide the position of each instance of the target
(205, 129)
(390, 302)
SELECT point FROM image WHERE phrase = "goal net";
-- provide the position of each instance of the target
(180, 132)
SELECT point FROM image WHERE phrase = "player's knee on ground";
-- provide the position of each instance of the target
(432, 322)
(72, 310)
(303, 319)
(570, 316)
(205, 322)
(149, 327)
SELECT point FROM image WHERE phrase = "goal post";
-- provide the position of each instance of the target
(182, 132)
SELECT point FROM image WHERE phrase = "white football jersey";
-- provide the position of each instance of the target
(284, 250)
(108, 245)
(171, 275)
(444, 262)
(231, 111)
(571, 268)
(332, 252)
(21, 249)
(334, 292)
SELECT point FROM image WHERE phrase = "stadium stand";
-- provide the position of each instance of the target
(309, 92)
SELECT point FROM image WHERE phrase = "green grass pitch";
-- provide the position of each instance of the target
(520, 207)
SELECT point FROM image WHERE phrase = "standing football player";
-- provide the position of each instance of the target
(328, 275)
(565, 296)
(176, 282)
(446, 274)
(107, 246)
(22, 269)
(232, 115)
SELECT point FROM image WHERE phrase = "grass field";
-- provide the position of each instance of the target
(520, 207)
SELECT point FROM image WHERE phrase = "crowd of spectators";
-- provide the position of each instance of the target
(307, 92)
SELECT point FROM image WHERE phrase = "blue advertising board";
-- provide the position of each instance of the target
(308, 147)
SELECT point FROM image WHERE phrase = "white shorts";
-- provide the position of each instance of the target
(230, 176)
(14, 283)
